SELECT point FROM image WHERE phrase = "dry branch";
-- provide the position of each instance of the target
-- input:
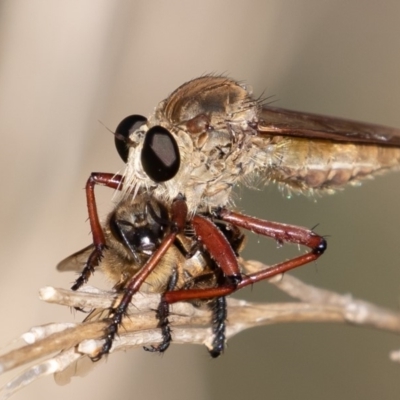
(54, 348)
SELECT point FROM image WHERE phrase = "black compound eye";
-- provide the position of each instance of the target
(160, 155)
(123, 131)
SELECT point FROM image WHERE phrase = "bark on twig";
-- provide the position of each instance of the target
(55, 348)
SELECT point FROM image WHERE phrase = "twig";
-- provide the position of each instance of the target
(61, 347)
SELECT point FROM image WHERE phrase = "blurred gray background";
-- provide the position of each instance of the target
(65, 66)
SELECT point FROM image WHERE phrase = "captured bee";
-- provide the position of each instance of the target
(208, 136)
(133, 231)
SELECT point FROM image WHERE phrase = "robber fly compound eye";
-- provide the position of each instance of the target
(124, 130)
(160, 154)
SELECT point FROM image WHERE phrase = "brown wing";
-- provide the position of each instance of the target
(76, 261)
(278, 121)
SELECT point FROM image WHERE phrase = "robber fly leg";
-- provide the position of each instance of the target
(111, 181)
(88, 270)
(282, 233)
(162, 315)
(219, 314)
(179, 215)
(221, 251)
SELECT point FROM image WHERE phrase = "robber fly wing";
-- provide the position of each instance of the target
(281, 122)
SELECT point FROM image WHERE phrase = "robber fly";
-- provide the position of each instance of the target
(207, 136)
(223, 136)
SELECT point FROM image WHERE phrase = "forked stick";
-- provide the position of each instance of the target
(54, 348)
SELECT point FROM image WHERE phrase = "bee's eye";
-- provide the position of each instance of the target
(160, 154)
(123, 131)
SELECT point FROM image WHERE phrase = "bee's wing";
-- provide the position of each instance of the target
(83, 365)
(98, 314)
(76, 261)
(80, 367)
(281, 122)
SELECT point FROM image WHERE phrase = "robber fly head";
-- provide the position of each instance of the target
(190, 144)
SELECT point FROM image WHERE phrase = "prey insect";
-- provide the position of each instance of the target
(133, 231)
(204, 139)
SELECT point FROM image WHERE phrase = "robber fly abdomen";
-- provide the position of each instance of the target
(321, 165)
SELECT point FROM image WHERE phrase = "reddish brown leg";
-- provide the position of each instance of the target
(278, 231)
(178, 218)
(111, 181)
(222, 252)
(281, 233)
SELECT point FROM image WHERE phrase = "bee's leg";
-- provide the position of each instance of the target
(179, 215)
(162, 315)
(111, 181)
(219, 314)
